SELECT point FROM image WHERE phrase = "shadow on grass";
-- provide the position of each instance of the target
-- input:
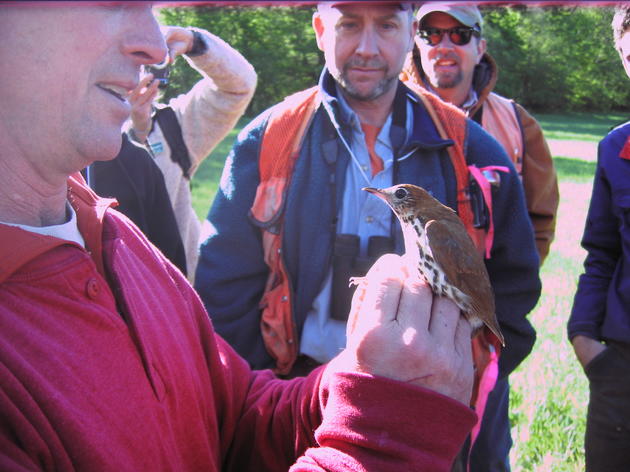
(579, 125)
(579, 169)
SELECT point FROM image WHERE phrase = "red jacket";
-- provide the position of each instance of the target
(110, 362)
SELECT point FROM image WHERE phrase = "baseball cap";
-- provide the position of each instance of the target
(467, 15)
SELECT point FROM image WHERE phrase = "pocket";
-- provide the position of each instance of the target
(597, 365)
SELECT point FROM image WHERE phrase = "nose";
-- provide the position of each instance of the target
(144, 42)
(445, 42)
(368, 43)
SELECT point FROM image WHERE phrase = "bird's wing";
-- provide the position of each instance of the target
(456, 254)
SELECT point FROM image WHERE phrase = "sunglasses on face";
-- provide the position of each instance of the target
(460, 35)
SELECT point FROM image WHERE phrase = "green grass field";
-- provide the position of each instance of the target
(580, 126)
(549, 391)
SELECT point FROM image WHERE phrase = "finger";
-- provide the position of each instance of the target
(416, 300)
(357, 302)
(381, 287)
(179, 41)
(144, 81)
(148, 95)
(463, 333)
(444, 318)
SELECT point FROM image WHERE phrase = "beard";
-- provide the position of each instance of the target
(383, 86)
(448, 80)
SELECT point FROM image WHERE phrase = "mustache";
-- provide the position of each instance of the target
(450, 57)
(365, 63)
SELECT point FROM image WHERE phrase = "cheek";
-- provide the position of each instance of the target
(397, 54)
(427, 57)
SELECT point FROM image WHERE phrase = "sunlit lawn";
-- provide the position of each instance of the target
(549, 391)
(581, 126)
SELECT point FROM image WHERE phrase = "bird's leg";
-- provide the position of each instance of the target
(356, 281)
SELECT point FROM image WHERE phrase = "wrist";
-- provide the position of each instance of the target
(198, 46)
(139, 135)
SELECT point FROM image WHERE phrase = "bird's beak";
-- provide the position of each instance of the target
(376, 191)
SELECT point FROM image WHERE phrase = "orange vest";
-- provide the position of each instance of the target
(500, 120)
(280, 148)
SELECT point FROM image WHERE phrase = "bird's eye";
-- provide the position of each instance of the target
(400, 193)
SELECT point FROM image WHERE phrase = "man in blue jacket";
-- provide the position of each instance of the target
(599, 327)
(368, 129)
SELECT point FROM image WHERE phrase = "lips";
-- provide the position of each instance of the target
(116, 90)
(445, 62)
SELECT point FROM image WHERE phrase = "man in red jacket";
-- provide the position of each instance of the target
(108, 360)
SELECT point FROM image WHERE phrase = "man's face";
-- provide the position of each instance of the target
(448, 65)
(623, 46)
(364, 46)
(66, 73)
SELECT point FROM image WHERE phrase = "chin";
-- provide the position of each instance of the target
(105, 147)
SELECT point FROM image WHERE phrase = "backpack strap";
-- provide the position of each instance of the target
(450, 123)
(279, 150)
(172, 131)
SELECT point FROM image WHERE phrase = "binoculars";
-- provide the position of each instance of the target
(347, 263)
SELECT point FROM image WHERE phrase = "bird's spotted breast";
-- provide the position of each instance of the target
(434, 274)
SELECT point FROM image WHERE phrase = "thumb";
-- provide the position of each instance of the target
(376, 299)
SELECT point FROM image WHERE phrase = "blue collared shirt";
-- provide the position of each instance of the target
(362, 214)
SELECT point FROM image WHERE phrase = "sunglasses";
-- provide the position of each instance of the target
(460, 35)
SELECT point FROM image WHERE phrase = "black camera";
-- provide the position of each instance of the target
(160, 72)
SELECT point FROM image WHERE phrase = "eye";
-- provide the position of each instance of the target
(400, 193)
(348, 25)
(388, 26)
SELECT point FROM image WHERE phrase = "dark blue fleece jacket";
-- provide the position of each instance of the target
(231, 274)
(601, 308)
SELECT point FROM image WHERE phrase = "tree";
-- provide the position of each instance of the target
(555, 58)
(278, 41)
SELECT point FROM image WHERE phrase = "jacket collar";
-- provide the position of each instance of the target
(18, 246)
(423, 133)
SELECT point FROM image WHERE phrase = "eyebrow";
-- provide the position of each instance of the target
(356, 16)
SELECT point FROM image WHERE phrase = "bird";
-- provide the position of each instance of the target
(437, 242)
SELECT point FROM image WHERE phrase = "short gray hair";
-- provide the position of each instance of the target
(620, 22)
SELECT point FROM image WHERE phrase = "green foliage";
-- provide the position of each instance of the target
(278, 41)
(557, 58)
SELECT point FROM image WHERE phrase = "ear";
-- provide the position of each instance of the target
(318, 26)
(481, 49)
(414, 30)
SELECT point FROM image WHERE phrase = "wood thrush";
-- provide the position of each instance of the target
(437, 243)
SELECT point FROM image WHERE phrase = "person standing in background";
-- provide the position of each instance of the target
(599, 326)
(449, 59)
(181, 133)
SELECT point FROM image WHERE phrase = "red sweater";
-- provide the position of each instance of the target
(110, 362)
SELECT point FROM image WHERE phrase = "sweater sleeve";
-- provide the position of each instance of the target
(372, 423)
(212, 107)
(540, 183)
(336, 421)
